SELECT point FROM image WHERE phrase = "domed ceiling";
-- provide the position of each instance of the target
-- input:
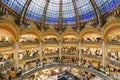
(66, 10)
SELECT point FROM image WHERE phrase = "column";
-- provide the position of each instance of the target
(79, 51)
(16, 55)
(41, 52)
(60, 50)
(104, 55)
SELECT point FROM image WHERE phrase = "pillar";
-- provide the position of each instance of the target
(104, 55)
(16, 55)
(60, 49)
(40, 53)
(79, 51)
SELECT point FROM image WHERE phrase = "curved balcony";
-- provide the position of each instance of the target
(6, 44)
(113, 42)
(92, 70)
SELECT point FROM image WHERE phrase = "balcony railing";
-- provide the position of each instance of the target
(70, 42)
(113, 42)
(30, 57)
(6, 44)
(70, 53)
(50, 42)
(90, 42)
(30, 43)
(51, 54)
(92, 56)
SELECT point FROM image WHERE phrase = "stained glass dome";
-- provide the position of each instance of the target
(84, 8)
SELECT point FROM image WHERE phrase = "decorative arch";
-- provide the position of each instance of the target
(69, 31)
(51, 31)
(32, 30)
(9, 25)
(110, 26)
(88, 30)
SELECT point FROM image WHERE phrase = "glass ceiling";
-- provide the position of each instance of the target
(85, 9)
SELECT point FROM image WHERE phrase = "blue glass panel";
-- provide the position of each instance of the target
(51, 20)
(68, 9)
(106, 5)
(35, 9)
(16, 5)
(52, 13)
(69, 20)
(85, 9)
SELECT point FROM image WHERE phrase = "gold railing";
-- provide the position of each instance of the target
(113, 42)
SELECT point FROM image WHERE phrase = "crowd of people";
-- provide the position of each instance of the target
(50, 50)
(114, 56)
(97, 39)
(4, 62)
(69, 50)
(27, 54)
(92, 51)
(69, 40)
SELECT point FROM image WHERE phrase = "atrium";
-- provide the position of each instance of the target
(59, 39)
